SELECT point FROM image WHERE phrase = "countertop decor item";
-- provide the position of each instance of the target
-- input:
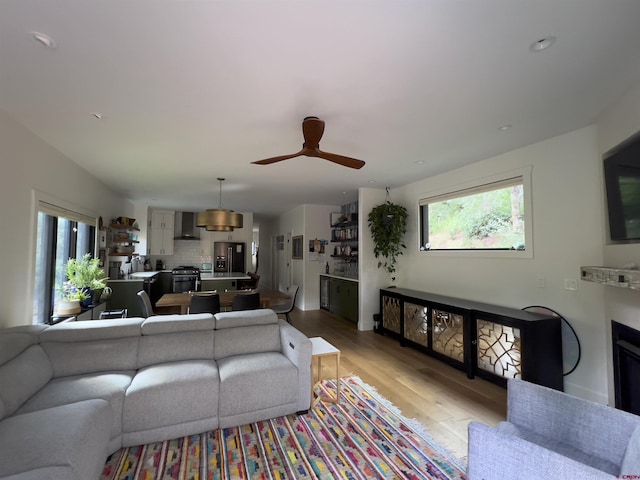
(388, 224)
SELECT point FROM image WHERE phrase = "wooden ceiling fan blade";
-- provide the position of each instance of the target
(268, 161)
(340, 160)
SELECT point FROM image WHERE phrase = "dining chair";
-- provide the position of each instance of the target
(204, 303)
(246, 301)
(251, 284)
(122, 313)
(287, 307)
(145, 303)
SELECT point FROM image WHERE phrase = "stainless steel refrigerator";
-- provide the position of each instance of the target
(228, 257)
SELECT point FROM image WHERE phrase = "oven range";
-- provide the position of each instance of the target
(186, 279)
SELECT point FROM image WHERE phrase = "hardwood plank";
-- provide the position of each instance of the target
(438, 396)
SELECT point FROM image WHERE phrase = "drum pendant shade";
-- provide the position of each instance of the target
(219, 219)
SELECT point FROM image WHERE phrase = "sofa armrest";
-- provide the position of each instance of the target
(296, 346)
(590, 427)
(495, 456)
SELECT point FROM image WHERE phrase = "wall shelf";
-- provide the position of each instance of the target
(615, 277)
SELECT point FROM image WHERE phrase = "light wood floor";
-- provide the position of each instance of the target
(440, 397)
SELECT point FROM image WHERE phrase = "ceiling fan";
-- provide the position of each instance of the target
(312, 130)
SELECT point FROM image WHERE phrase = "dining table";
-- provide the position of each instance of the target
(182, 300)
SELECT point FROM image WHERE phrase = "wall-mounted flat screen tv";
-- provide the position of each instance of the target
(622, 184)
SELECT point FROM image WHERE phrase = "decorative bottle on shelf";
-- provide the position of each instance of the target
(326, 268)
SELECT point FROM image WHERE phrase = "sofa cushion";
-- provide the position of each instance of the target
(173, 347)
(559, 447)
(22, 377)
(93, 330)
(80, 357)
(631, 460)
(247, 331)
(13, 341)
(171, 393)
(12, 344)
(255, 382)
(109, 386)
(66, 442)
(262, 316)
(178, 323)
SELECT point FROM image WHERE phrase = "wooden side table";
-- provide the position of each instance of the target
(320, 348)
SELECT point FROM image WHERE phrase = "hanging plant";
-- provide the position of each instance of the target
(388, 225)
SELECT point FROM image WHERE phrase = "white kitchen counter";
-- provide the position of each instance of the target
(339, 277)
(225, 276)
(139, 276)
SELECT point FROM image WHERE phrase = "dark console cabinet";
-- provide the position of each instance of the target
(484, 340)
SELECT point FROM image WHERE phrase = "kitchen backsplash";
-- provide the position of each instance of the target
(185, 253)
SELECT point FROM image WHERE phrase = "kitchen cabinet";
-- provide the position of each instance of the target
(161, 232)
(206, 242)
(340, 297)
(166, 282)
(92, 313)
(219, 285)
(484, 340)
(125, 295)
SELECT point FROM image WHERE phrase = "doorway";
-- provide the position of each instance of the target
(281, 268)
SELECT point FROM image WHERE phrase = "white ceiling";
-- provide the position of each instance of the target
(194, 90)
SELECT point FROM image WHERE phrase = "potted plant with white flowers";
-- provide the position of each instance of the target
(70, 298)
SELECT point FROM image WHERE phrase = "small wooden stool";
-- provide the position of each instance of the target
(321, 348)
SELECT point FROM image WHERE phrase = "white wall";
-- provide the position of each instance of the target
(310, 221)
(371, 278)
(292, 222)
(267, 230)
(567, 232)
(615, 125)
(31, 164)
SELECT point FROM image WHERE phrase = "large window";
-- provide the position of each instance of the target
(61, 234)
(491, 216)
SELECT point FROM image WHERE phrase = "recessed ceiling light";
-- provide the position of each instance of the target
(97, 115)
(542, 44)
(372, 181)
(44, 40)
(419, 162)
(505, 127)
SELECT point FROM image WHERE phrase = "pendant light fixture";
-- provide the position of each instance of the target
(219, 219)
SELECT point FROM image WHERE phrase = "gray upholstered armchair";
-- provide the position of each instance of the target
(550, 434)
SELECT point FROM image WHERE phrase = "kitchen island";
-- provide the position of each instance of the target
(157, 283)
(222, 281)
(125, 290)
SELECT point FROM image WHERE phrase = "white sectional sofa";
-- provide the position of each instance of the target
(73, 393)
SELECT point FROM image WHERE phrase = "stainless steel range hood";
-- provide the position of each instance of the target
(187, 224)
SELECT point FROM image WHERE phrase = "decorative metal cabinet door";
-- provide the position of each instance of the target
(416, 323)
(391, 314)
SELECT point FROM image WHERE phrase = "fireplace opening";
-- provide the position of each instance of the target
(626, 367)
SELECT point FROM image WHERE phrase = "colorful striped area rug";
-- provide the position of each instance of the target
(362, 437)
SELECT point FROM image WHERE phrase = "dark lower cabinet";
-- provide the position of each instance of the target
(484, 340)
(124, 295)
(342, 299)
